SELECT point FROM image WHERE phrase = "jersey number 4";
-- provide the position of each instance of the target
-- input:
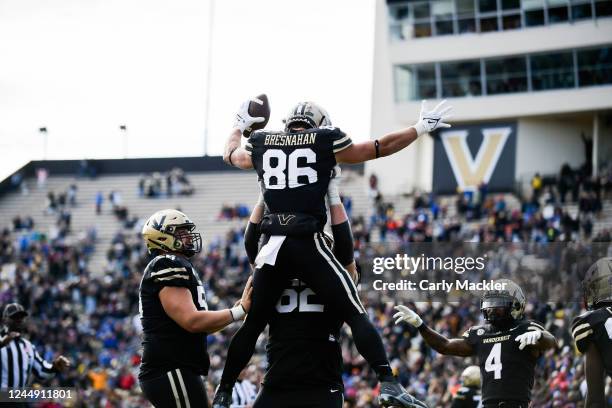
(493, 363)
(275, 177)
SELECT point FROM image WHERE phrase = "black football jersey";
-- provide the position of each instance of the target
(166, 344)
(595, 327)
(507, 372)
(294, 169)
(303, 342)
(466, 397)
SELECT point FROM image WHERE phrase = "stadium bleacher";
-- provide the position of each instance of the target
(106, 353)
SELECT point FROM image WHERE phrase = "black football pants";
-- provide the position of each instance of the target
(308, 259)
(313, 398)
(178, 388)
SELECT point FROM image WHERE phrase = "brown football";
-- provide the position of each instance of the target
(258, 107)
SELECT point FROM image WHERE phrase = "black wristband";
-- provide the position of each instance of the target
(251, 241)
(229, 158)
(343, 243)
(377, 147)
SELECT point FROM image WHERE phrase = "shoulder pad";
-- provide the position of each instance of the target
(532, 325)
(168, 270)
(164, 261)
(473, 333)
(583, 326)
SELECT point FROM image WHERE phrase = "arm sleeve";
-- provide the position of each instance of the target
(168, 272)
(41, 367)
(251, 241)
(343, 243)
(340, 140)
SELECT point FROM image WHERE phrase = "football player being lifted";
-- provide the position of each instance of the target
(592, 331)
(507, 345)
(303, 340)
(174, 314)
(294, 167)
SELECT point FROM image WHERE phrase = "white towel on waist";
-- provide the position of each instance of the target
(269, 252)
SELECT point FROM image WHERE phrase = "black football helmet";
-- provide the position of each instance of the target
(504, 306)
(597, 284)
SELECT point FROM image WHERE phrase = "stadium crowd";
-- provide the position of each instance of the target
(93, 317)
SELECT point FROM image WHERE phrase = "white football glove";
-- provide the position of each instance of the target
(407, 315)
(333, 194)
(430, 120)
(243, 119)
(528, 338)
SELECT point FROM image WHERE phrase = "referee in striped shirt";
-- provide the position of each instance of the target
(18, 357)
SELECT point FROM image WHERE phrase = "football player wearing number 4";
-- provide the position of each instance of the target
(294, 168)
(592, 331)
(507, 346)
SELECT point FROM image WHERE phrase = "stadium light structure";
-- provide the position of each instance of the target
(211, 14)
(43, 131)
(123, 130)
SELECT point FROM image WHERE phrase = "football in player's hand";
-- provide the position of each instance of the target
(258, 107)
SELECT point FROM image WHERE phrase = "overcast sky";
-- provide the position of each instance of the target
(81, 68)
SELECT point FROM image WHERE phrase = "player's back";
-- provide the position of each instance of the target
(595, 327)
(294, 168)
(166, 344)
(508, 373)
(303, 342)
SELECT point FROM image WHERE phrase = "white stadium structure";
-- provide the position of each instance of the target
(527, 79)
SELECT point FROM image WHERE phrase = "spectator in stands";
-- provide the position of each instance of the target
(18, 183)
(238, 211)
(141, 184)
(86, 169)
(99, 202)
(41, 177)
(51, 206)
(71, 194)
(347, 201)
(120, 211)
(568, 182)
(20, 223)
(61, 200)
(63, 222)
(536, 186)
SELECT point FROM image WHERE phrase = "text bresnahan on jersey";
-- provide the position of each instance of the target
(290, 140)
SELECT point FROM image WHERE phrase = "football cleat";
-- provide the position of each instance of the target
(392, 394)
(223, 397)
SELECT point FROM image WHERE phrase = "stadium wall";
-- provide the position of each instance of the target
(549, 123)
(545, 144)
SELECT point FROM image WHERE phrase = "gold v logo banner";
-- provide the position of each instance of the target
(471, 171)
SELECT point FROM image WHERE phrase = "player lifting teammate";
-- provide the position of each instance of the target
(507, 346)
(303, 333)
(294, 168)
(175, 316)
(592, 331)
